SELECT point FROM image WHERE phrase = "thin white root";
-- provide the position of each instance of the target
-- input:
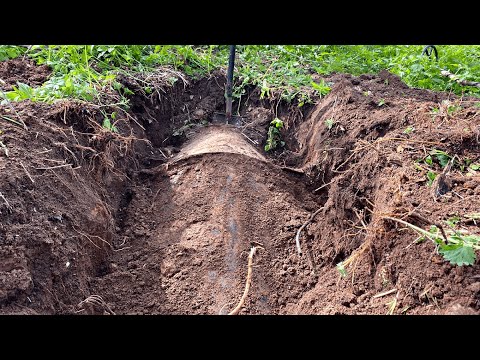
(385, 293)
(237, 309)
(297, 237)
(53, 167)
(324, 185)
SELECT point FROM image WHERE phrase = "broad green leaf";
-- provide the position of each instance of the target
(458, 254)
(442, 157)
(443, 160)
(428, 160)
(471, 239)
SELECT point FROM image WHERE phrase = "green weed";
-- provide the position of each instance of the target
(279, 71)
(108, 122)
(329, 123)
(322, 88)
(341, 269)
(460, 247)
(442, 157)
(10, 52)
(274, 136)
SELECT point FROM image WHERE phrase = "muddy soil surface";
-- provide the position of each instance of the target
(160, 217)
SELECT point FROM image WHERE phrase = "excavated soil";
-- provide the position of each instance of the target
(24, 71)
(160, 217)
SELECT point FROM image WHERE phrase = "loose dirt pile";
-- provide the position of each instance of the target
(160, 217)
(23, 71)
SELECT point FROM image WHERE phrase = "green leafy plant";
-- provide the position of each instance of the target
(442, 157)
(329, 123)
(434, 112)
(10, 52)
(460, 247)
(274, 136)
(322, 88)
(265, 90)
(381, 102)
(20, 92)
(107, 124)
(451, 108)
(279, 71)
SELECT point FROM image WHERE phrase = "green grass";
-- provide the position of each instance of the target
(88, 71)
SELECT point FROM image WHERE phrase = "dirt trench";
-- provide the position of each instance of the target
(190, 228)
(160, 217)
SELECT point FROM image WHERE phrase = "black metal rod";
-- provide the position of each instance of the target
(427, 50)
(229, 89)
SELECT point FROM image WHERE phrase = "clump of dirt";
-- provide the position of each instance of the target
(159, 218)
(24, 71)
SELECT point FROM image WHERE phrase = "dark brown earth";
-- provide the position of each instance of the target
(160, 218)
(24, 71)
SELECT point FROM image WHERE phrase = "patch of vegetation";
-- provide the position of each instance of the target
(322, 87)
(442, 157)
(280, 71)
(108, 124)
(459, 246)
(274, 136)
(10, 52)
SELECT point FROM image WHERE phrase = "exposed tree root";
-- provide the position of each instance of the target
(237, 309)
